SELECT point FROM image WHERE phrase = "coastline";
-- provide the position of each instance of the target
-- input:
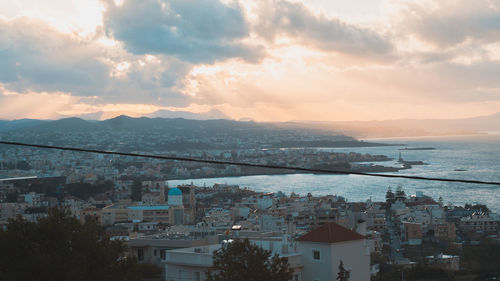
(371, 169)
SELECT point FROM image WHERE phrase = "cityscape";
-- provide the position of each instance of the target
(178, 228)
(250, 140)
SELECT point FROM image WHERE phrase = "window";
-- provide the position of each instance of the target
(162, 254)
(155, 252)
(140, 254)
(295, 277)
(197, 276)
(316, 255)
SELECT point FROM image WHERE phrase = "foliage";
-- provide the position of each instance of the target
(47, 188)
(477, 207)
(19, 165)
(482, 258)
(86, 190)
(428, 273)
(11, 197)
(59, 247)
(136, 191)
(244, 261)
(343, 274)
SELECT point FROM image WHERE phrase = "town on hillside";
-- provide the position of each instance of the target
(178, 228)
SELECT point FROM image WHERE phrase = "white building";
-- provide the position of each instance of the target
(480, 222)
(315, 256)
(271, 223)
(323, 248)
(193, 263)
(261, 203)
(33, 199)
(448, 262)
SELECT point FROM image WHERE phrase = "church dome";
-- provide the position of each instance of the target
(174, 191)
(175, 197)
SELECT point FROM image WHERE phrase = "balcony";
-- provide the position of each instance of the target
(188, 258)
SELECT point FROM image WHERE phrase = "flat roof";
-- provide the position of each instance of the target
(149, 208)
(19, 178)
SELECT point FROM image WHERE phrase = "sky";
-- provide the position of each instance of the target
(266, 60)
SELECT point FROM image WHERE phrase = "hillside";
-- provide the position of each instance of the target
(164, 134)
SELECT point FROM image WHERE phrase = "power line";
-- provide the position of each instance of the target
(243, 164)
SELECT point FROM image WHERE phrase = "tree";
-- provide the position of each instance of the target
(84, 190)
(343, 274)
(136, 191)
(59, 247)
(243, 261)
(477, 207)
(12, 197)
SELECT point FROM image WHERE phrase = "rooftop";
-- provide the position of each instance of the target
(149, 208)
(174, 191)
(331, 233)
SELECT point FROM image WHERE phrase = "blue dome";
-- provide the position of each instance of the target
(174, 191)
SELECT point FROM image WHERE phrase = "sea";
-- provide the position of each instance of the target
(474, 157)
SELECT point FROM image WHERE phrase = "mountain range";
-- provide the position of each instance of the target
(192, 123)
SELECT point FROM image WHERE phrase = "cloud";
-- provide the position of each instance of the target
(43, 105)
(195, 31)
(295, 20)
(432, 59)
(36, 57)
(452, 22)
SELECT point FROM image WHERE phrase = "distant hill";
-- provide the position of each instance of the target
(175, 127)
(212, 114)
(71, 124)
(336, 131)
(19, 124)
(412, 127)
(177, 134)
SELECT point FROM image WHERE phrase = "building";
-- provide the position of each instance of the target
(91, 213)
(445, 231)
(155, 213)
(323, 248)
(374, 241)
(176, 205)
(314, 256)
(152, 249)
(175, 197)
(479, 222)
(154, 198)
(448, 262)
(412, 233)
(193, 263)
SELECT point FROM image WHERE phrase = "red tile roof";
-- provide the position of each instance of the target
(331, 233)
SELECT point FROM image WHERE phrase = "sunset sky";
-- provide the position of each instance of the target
(330, 60)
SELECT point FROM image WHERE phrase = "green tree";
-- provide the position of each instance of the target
(12, 197)
(343, 274)
(136, 191)
(244, 261)
(85, 190)
(59, 247)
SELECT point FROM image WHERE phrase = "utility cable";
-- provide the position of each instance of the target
(243, 164)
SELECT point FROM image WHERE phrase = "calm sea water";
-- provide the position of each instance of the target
(478, 155)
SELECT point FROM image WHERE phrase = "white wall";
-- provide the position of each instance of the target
(314, 269)
(353, 253)
(183, 273)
